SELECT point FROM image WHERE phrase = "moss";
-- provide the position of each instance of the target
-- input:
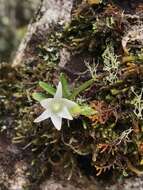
(112, 138)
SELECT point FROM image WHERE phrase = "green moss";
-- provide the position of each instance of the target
(112, 138)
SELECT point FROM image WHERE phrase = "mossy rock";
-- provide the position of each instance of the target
(109, 142)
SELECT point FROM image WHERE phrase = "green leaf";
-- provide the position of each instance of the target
(38, 96)
(75, 111)
(81, 88)
(85, 124)
(65, 86)
(48, 88)
(86, 110)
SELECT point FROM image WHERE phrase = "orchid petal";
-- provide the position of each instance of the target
(46, 102)
(45, 115)
(65, 114)
(57, 121)
(59, 92)
(68, 103)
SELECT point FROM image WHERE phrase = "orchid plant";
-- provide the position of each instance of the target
(56, 108)
(60, 106)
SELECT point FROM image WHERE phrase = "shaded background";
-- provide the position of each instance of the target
(14, 18)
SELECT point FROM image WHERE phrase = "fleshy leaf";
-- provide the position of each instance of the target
(66, 90)
(81, 88)
(48, 88)
(75, 110)
(38, 96)
(87, 110)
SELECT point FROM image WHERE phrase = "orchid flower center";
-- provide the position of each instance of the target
(56, 106)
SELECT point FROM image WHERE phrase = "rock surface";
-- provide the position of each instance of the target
(50, 12)
(53, 11)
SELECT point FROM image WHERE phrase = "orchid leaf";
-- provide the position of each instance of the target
(38, 96)
(48, 88)
(65, 86)
(81, 88)
(86, 110)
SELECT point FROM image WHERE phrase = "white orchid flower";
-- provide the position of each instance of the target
(56, 108)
